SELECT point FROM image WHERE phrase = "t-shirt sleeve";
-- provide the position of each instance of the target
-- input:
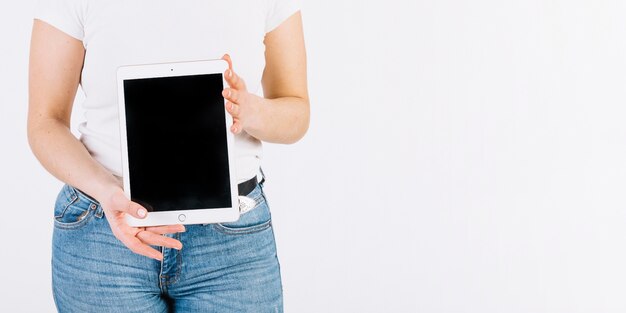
(279, 11)
(65, 15)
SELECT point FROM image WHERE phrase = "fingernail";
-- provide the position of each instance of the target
(142, 212)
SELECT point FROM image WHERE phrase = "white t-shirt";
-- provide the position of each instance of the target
(127, 32)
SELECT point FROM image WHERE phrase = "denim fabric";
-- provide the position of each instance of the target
(227, 267)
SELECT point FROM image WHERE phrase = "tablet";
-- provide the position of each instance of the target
(177, 152)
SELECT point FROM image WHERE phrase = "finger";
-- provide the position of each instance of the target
(231, 95)
(236, 128)
(159, 240)
(227, 58)
(166, 229)
(121, 203)
(234, 81)
(135, 245)
(136, 210)
(233, 109)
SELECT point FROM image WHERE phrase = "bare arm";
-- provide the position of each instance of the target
(55, 65)
(56, 61)
(283, 115)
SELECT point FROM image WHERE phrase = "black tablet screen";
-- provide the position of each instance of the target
(177, 148)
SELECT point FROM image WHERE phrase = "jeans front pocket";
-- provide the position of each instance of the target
(73, 209)
(255, 220)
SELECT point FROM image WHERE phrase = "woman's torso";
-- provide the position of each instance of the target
(122, 32)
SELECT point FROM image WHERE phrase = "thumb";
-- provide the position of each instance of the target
(226, 57)
(123, 204)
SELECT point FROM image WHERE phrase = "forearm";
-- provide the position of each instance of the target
(282, 120)
(65, 157)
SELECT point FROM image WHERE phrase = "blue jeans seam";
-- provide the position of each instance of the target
(244, 230)
(71, 197)
(75, 225)
(164, 279)
(93, 203)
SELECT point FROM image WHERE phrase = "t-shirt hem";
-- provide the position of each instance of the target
(282, 15)
(60, 25)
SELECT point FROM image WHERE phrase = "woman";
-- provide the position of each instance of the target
(102, 264)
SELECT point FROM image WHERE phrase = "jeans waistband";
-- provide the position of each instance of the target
(244, 188)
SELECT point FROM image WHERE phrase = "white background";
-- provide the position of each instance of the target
(463, 156)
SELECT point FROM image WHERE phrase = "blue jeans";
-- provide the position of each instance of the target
(227, 267)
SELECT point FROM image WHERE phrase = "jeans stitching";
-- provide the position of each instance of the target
(70, 197)
(243, 230)
(74, 225)
(73, 196)
(166, 280)
(176, 277)
(85, 197)
(225, 229)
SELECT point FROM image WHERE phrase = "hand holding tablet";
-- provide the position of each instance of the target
(176, 148)
(117, 207)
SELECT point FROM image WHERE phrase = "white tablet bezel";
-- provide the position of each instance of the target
(194, 216)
